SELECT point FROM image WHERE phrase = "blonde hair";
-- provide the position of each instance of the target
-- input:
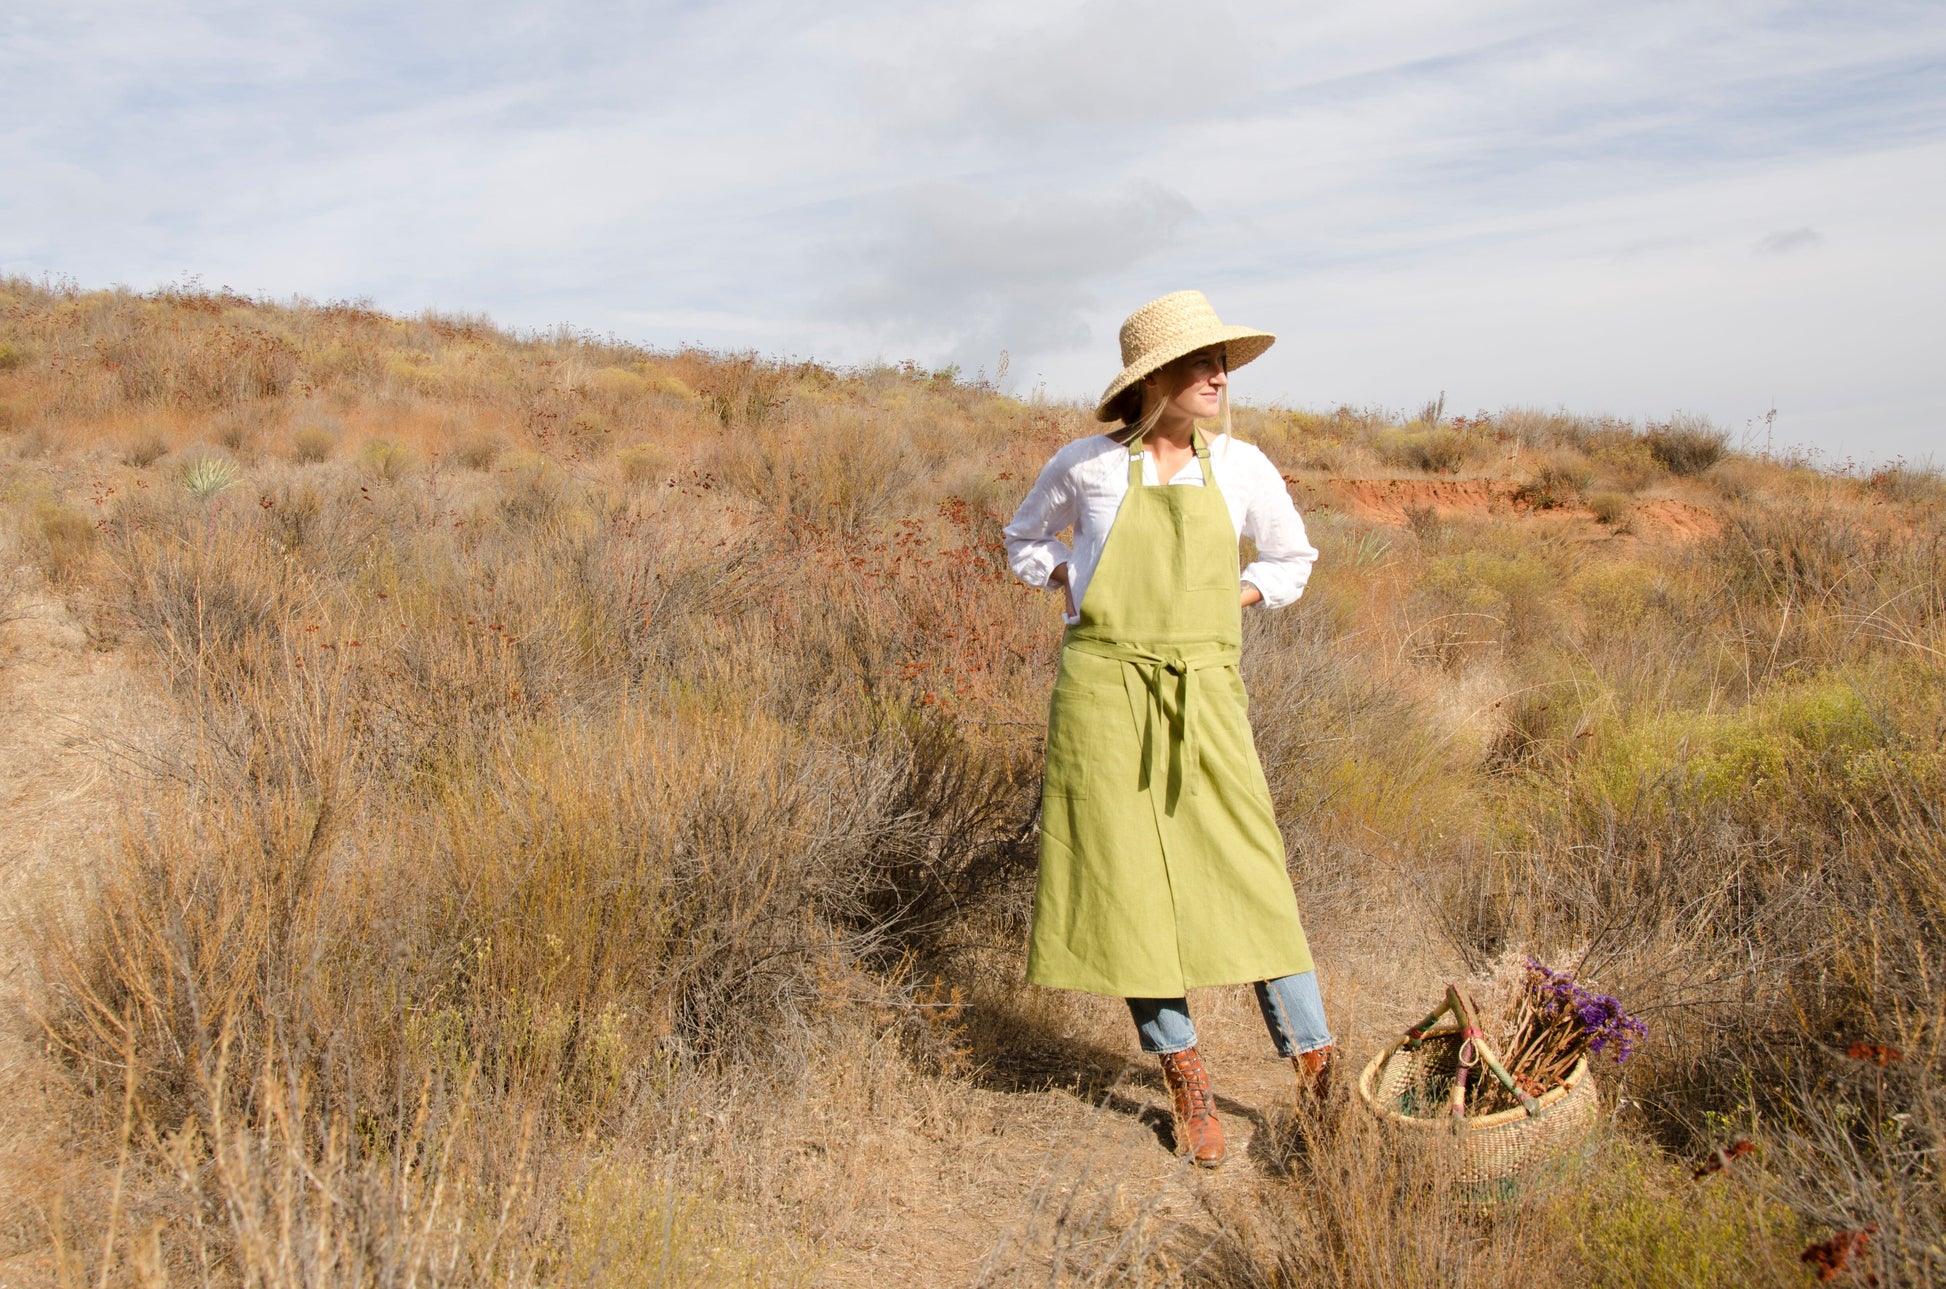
(1138, 420)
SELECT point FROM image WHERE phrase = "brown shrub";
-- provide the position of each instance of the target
(1686, 445)
(1435, 451)
(144, 448)
(313, 442)
(479, 449)
(63, 538)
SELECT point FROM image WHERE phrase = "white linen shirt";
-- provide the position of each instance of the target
(1084, 485)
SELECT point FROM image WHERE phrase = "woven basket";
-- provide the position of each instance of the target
(1406, 1090)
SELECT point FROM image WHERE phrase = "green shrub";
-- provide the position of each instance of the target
(1754, 758)
(385, 460)
(1484, 598)
(1483, 579)
(1615, 594)
(1611, 507)
(1641, 1225)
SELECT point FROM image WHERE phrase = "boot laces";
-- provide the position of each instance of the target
(1191, 1088)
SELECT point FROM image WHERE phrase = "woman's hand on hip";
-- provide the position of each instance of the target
(1060, 577)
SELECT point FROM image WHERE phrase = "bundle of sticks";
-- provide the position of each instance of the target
(1554, 1022)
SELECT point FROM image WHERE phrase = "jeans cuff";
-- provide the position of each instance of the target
(1170, 1051)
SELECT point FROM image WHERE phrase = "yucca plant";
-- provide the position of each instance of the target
(206, 476)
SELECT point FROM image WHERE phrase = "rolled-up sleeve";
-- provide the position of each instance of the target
(1033, 550)
(1284, 553)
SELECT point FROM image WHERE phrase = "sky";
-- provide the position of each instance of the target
(1710, 208)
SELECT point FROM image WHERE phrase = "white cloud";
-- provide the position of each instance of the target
(1628, 209)
(954, 263)
(1790, 240)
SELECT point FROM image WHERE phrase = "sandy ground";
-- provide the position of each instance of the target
(75, 723)
(1083, 1125)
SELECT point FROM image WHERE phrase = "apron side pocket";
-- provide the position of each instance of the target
(1069, 720)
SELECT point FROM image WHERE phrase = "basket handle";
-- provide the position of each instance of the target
(1470, 1029)
(1418, 1034)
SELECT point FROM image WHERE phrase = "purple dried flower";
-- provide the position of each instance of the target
(1602, 1020)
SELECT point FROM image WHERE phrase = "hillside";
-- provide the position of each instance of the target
(486, 809)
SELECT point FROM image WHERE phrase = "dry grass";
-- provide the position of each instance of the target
(611, 775)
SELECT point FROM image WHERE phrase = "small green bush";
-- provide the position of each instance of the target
(1614, 595)
(385, 460)
(1611, 507)
(10, 356)
(1639, 1224)
(1499, 578)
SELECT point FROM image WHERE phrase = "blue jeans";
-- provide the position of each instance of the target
(1292, 1007)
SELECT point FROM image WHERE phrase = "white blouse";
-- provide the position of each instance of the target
(1084, 485)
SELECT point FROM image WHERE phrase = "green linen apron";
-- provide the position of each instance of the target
(1161, 867)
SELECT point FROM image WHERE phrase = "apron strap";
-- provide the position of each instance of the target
(1136, 451)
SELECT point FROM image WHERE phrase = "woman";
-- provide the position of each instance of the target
(1161, 867)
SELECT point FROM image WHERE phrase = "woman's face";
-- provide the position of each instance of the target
(1193, 384)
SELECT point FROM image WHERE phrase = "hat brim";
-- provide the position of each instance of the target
(1241, 345)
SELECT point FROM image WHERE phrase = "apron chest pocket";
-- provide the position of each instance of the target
(1204, 565)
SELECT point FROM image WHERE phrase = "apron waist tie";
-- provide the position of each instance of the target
(1154, 665)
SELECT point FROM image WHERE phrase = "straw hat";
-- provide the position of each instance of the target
(1162, 331)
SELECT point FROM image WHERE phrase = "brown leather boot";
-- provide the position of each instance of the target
(1316, 1071)
(1198, 1134)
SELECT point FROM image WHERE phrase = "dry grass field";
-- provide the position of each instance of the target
(485, 810)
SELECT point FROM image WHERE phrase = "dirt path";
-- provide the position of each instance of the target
(1077, 1132)
(75, 722)
(992, 1187)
